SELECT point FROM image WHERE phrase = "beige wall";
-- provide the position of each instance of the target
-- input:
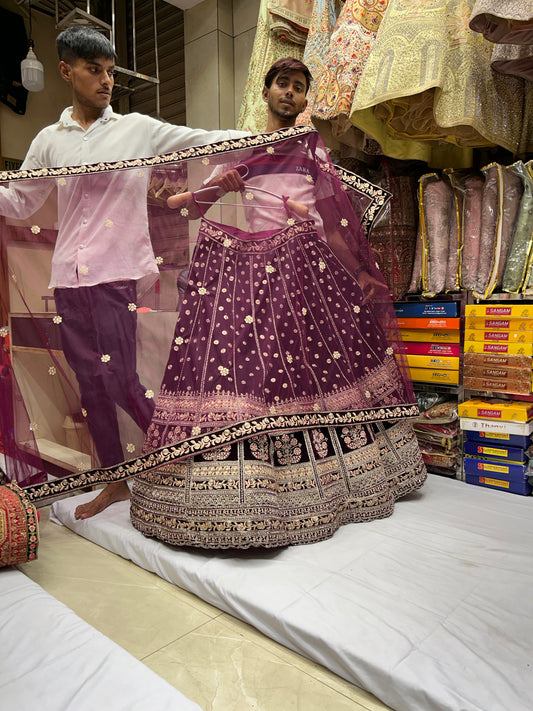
(219, 36)
(42, 108)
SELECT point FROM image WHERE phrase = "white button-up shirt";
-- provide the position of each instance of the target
(103, 222)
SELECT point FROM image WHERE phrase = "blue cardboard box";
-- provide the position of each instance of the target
(489, 450)
(496, 469)
(514, 487)
(426, 309)
(498, 439)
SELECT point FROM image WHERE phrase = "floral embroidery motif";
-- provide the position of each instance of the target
(184, 212)
(336, 355)
(321, 265)
(149, 394)
(34, 426)
(202, 290)
(84, 270)
(320, 443)
(344, 222)
(4, 331)
(288, 449)
(196, 431)
(227, 242)
(249, 196)
(217, 454)
(57, 319)
(259, 447)
(132, 307)
(222, 370)
(304, 311)
(178, 340)
(35, 229)
(249, 319)
(367, 394)
(52, 370)
(109, 222)
(159, 260)
(291, 221)
(61, 181)
(105, 358)
(269, 269)
(354, 437)
(205, 161)
(356, 309)
(130, 447)
(289, 357)
(390, 350)
(270, 149)
(309, 178)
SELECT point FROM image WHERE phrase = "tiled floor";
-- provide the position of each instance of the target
(216, 660)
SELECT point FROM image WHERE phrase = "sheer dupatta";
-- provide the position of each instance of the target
(96, 250)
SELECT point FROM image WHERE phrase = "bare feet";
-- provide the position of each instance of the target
(117, 491)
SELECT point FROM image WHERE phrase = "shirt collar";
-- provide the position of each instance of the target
(67, 121)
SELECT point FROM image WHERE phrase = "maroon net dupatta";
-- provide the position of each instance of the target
(137, 335)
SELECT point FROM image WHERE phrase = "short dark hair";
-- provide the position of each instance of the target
(80, 42)
(288, 64)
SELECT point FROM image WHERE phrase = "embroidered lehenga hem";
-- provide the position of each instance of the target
(292, 488)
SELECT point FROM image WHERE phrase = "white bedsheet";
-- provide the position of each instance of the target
(51, 660)
(430, 609)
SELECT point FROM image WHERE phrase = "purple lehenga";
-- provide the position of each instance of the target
(282, 411)
(274, 324)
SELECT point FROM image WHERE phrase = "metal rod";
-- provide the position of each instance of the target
(156, 51)
(133, 36)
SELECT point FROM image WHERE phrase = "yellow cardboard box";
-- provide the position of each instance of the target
(499, 324)
(432, 375)
(499, 347)
(426, 335)
(427, 361)
(499, 310)
(509, 410)
(474, 334)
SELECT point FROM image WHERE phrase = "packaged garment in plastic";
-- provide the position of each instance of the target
(436, 207)
(491, 231)
(472, 188)
(453, 268)
(527, 286)
(516, 267)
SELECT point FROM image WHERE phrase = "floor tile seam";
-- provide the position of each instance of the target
(267, 647)
(176, 639)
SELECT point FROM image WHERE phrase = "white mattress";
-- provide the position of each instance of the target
(430, 609)
(51, 660)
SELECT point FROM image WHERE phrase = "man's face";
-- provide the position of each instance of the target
(286, 95)
(91, 80)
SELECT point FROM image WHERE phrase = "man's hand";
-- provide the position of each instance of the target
(369, 285)
(229, 182)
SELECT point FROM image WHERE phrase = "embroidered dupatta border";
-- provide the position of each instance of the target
(206, 442)
(378, 196)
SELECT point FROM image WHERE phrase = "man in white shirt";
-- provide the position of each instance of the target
(102, 249)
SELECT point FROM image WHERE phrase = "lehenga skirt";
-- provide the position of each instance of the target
(274, 334)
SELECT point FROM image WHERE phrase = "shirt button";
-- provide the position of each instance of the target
(86, 138)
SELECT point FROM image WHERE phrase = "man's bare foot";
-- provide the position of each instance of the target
(117, 491)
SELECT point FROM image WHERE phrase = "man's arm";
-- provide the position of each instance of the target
(167, 137)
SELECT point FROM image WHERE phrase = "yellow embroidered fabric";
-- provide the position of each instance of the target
(428, 78)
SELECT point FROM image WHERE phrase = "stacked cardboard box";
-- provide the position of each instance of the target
(431, 336)
(497, 438)
(499, 348)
